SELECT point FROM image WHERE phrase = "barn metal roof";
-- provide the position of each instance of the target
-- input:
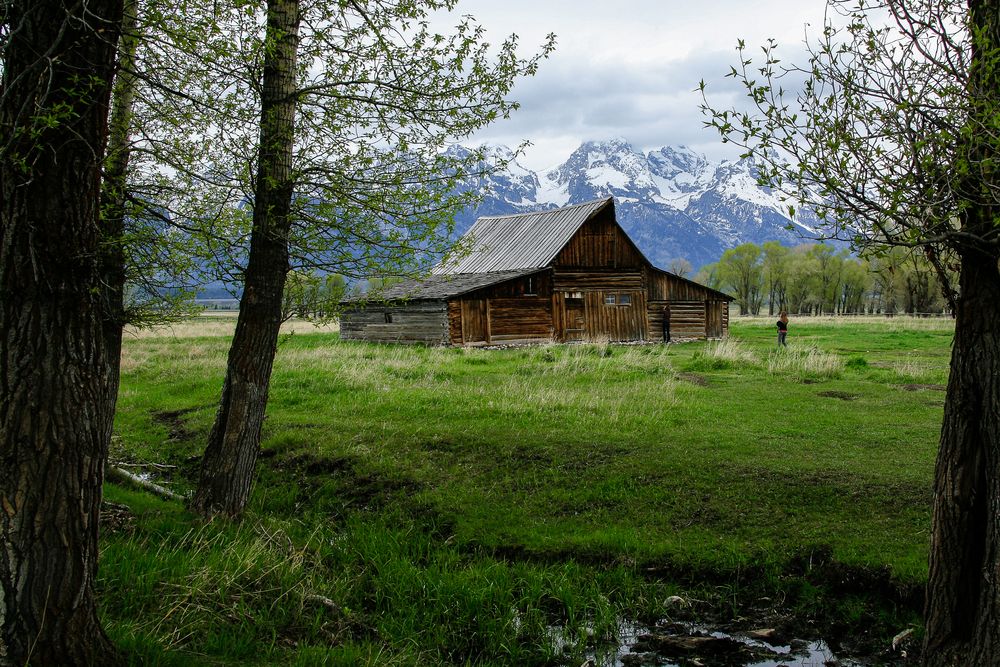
(443, 286)
(522, 241)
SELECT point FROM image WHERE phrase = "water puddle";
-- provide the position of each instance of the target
(692, 645)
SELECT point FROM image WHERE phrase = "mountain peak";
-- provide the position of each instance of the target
(673, 201)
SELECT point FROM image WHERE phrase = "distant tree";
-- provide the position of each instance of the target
(740, 269)
(887, 271)
(58, 377)
(680, 267)
(828, 269)
(919, 286)
(154, 253)
(357, 101)
(311, 296)
(801, 289)
(301, 295)
(775, 268)
(332, 293)
(710, 276)
(895, 137)
(855, 281)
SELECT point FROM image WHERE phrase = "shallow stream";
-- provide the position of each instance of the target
(688, 645)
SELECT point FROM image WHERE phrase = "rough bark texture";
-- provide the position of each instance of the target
(227, 469)
(963, 589)
(57, 384)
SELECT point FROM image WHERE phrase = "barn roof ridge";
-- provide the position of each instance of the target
(592, 202)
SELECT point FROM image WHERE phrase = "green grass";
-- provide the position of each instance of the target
(455, 504)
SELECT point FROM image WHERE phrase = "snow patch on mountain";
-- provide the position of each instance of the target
(551, 191)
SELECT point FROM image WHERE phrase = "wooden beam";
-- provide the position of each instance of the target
(487, 334)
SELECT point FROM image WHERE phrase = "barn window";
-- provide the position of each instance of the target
(388, 317)
(529, 286)
(624, 299)
(610, 299)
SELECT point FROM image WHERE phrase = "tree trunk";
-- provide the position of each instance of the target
(115, 185)
(113, 199)
(963, 587)
(963, 590)
(58, 385)
(227, 469)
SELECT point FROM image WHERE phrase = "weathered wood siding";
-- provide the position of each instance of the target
(615, 322)
(689, 319)
(666, 287)
(475, 321)
(695, 310)
(577, 281)
(600, 243)
(716, 318)
(520, 318)
(455, 335)
(516, 310)
(413, 322)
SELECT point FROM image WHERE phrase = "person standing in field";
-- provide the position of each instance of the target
(782, 329)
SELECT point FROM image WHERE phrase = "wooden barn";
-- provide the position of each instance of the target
(568, 274)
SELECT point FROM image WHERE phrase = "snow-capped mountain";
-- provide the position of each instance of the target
(673, 202)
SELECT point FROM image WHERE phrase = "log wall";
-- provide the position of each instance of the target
(520, 318)
(514, 311)
(689, 319)
(412, 322)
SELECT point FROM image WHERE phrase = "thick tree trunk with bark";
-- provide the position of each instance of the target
(58, 385)
(227, 469)
(963, 590)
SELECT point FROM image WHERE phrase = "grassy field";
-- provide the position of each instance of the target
(430, 505)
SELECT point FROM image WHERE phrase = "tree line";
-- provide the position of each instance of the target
(819, 279)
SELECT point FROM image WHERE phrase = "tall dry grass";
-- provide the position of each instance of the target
(216, 324)
(894, 323)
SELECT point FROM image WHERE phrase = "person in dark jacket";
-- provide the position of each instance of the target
(782, 329)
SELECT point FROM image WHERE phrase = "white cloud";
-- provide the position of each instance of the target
(630, 68)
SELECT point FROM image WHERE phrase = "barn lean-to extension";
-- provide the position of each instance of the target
(568, 274)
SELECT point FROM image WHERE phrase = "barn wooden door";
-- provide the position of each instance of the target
(474, 329)
(574, 319)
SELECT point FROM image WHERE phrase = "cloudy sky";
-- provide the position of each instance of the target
(629, 68)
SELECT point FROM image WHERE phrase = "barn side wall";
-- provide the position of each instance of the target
(695, 311)
(413, 322)
(518, 310)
